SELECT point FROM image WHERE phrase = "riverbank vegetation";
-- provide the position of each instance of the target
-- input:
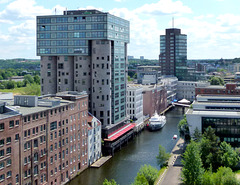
(209, 161)
(162, 157)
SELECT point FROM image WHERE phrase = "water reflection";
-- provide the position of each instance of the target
(123, 167)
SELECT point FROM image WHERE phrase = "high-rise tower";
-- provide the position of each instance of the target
(173, 53)
(86, 50)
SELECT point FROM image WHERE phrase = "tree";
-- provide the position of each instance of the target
(197, 135)
(150, 173)
(10, 84)
(229, 157)
(28, 79)
(215, 80)
(183, 128)
(192, 171)
(225, 176)
(111, 182)
(162, 157)
(36, 79)
(32, 89)
(140, 180)
(210, 152)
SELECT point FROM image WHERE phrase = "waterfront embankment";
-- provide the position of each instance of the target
(125, 164)
(172, 174)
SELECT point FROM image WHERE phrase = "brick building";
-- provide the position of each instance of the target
(154, 99)
(228, 89)
(53, 135)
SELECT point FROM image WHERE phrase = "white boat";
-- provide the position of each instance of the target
(174, 136)
(156, 122)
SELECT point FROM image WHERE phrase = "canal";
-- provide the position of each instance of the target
(123, 167)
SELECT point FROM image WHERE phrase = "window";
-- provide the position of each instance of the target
(9, 140)
(9, 162)
(35, 143)
(16, 137)
(1, 126)
(17, 123)
(11, 124)
(1, 142)
(9, 150)
(2, 177)
(53, 125)
(9, 174)
(2, 165)
(35, 171)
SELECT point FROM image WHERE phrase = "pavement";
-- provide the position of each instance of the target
(172, 175)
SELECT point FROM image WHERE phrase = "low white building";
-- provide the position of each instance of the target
(186, 89)
(94, 139)
(135, 104)
(220, 112)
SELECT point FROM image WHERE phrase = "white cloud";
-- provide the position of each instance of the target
(4, 1)
(164, 7)
(213, 38)
(20, 38)
(145, 30)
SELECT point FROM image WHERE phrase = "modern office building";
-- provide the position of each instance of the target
(173, 53)
(43, 140)
(86, 50)
(221, 112)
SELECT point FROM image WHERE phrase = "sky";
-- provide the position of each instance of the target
(212, 26)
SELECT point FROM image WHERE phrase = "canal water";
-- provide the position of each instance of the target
(125, 164)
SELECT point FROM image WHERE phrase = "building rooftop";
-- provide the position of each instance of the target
(30, 110)
(210, 113)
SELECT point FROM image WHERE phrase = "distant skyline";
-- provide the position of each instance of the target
(212, 26)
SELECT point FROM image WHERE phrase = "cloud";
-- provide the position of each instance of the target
(4, 1)
(22, 34)
(214, 37)
(164, 7)
(145, 30)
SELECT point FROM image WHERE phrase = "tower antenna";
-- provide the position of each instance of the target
(173, 22)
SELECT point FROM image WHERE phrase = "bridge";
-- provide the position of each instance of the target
(180, 104)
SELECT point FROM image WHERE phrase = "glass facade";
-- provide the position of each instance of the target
(227, 129)
(74, 33)
(71, 28)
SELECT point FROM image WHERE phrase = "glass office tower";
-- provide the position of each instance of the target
(173, 53)
(86, 50)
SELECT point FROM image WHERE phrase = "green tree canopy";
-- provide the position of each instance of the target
(215, 80)
(210, 152)
(229, 157)
(36, 79)
(192, 171)
(183, 128)
(140, 180)
(197, 135)
(162, 157)
(111, 182)
(150, 173)
(28, 79)
(32, 89)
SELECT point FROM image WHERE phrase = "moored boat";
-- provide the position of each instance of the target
(156, 122)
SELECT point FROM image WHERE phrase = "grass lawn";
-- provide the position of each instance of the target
(32, 89)
(160, 174)
(15, 91)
